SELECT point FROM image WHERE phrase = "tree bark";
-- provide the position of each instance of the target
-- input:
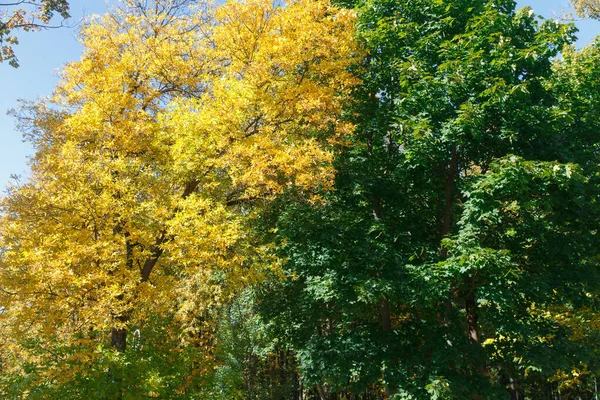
(514, 391)
(472, 316)
(118, 339)
(450, 176)
(384, 315)
(324, 392)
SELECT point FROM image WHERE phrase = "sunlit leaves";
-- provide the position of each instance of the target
(176, 125)
(587, 8)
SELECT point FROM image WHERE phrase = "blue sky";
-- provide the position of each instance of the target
(42, 54)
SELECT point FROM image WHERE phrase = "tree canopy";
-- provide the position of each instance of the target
(263, 200)
(467, 195)
(155, 151)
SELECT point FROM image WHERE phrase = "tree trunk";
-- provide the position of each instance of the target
(118, 336)
(450, 174)
(473, 330)
(384, 315)
(514, 391)
(471, 310)
(323, 392)
(118, 339)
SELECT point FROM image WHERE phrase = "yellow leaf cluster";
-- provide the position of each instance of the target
(159, 144)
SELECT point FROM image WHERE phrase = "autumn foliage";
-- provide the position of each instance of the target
(158, 146)
(377, 199)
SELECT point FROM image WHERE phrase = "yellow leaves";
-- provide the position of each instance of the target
(587, 8)
(581, 322)
(174, 130)
(204, 231)
(569, 379)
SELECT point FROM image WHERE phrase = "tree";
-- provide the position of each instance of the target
(36, 15)
(587, 8)
(152, 157)
(459, 246)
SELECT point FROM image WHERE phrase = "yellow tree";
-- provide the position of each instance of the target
(158, 146)
(587, 8)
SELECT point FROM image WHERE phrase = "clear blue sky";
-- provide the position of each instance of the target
(42, 54)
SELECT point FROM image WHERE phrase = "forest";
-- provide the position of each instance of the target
(308, 200)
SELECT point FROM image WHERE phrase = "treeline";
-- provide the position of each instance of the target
(373, 200)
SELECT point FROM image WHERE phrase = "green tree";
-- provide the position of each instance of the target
(459, 249)
(21, 15)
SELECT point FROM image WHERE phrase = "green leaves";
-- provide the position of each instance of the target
(447, 249)
(35, 15)
(465, 206)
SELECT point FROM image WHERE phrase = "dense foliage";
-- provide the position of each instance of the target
(377, 200)
(159, 146)
(456, 257)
